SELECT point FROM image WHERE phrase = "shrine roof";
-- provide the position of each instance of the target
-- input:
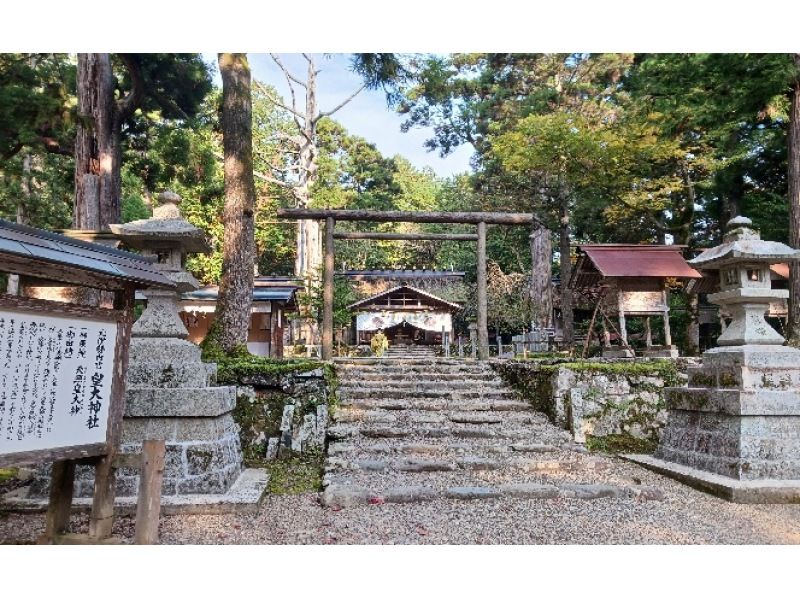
(357, 274)
(260, 293)
(51, 256)
(596, 262)
(425, 300)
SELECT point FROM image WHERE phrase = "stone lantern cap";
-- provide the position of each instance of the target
(743, 245)
(167, 226)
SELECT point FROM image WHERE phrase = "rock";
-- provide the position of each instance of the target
(590, 491)
(406, 494)
(384, 433)
(424, 465)
(472, 492)
(645, 493)
(371, 465)
(474, 433)
(344, 496)
(529, 490)
(272, 448)
(475, 418)
(533, 448)
(478, 463)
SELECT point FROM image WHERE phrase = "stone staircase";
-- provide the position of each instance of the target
(411, 351)
(411, 430)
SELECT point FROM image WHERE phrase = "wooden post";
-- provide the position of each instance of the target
(460, 346)
(327, 293)
(667, 332)
(623, 333)
(101, 518)
(499, 346)
(648, 333)
(483, 330)
(151, 476)
(62, 479)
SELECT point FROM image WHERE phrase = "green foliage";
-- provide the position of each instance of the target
(296, 474)
(343, 295)
(231, 370)
(621, 443)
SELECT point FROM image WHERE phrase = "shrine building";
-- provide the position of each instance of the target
(273, 298)
(407, 316)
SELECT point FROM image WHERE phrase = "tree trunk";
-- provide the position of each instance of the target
(97, 153)
(565, 270)
(236, 285)
(541, 275)
(793, 177)
(12, 287)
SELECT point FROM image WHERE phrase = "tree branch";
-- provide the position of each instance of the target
(289, 76)
(277, 102)
(340, 106)
(127, 105)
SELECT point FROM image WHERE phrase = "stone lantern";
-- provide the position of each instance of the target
(735, 430)
(169, 392)
(743, 261)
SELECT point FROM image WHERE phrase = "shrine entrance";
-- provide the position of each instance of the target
(408, 334)
(407, 316)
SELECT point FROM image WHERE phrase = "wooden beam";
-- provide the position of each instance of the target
(508, 218)
(405, 236)
(483, 323)
(327, 293)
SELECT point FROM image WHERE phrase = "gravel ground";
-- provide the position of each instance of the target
(686, 516)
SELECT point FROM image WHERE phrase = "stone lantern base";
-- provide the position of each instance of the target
(735, 431)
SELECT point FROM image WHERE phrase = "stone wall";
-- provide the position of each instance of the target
(598, 397)
(284, 412)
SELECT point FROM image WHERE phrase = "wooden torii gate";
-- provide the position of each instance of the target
(480, 219)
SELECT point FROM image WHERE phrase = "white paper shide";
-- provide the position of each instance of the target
(55, 381)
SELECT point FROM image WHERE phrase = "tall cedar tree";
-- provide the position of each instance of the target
(793, 179)
(239, 249)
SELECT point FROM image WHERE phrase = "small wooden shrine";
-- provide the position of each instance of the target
(407, 316)
(630, 281)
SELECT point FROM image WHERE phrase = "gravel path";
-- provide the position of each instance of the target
(686, 516)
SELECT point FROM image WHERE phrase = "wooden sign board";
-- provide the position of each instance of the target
(60, 392)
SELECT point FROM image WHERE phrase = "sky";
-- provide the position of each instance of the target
(366, 116)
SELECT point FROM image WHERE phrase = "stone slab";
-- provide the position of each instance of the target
(180, 402)
(245, 496)
(737, 491)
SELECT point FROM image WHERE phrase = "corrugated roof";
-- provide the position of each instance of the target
(401, 273)
(430, 296)
(72, 256)
(640, 261)
(259, 294)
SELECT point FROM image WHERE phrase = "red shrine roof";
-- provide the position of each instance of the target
(630, 261)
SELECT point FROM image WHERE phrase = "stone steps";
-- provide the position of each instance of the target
(416, 384)
(368, 376)
(441, 405)
(374, 448)
(389, 430)
(440, 393)
(411, 419)
(451, 430)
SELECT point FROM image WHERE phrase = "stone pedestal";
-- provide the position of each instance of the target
(740, 415)
(169, 396)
